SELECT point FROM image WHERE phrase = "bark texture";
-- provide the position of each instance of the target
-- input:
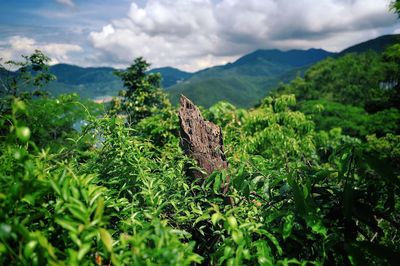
(201, 140)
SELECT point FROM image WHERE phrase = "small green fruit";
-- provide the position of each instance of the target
(23, 133)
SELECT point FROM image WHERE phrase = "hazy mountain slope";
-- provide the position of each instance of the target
(294, 58)
(74, 75)
(171, 76)
(93, 82)
(378, 44)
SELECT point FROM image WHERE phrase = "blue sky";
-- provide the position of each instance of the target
(188, 34)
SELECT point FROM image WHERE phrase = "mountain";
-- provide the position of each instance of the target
(95, 82)
(248, 79)
(295, 58)
(243, 82)
(88, 82)
(171, 76)
(74, 75)
(378, 44)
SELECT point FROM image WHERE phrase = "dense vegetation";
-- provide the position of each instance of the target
(357, 92)
(313, 182)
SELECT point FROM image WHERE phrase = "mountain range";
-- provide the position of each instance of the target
(243, 82)
(249, 79)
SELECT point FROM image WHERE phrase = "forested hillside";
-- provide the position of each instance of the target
(247, 80)
(252, 76)
(358, 92)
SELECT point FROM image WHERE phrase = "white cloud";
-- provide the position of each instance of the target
(69, 3)
(192, 34)
(164, 32)
(14, 47)
(196, 33)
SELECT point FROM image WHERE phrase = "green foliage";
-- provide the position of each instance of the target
(353, 120)
(356, 92)
(302, 192)
(355, 79)
(300, 196)
(142, 96)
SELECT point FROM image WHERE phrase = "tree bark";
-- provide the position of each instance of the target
(202, 140)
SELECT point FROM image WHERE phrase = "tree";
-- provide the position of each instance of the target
(395, 7)
(23, 79)
(142, 96)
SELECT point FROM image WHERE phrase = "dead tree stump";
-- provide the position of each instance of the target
(201, 140)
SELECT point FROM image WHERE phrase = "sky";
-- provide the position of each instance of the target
(186, 34)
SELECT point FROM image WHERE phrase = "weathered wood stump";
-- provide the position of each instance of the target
(201, 140)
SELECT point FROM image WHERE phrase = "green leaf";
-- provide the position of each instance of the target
(288, 222)
(83, 250)
(232, 222)
(29, 248)
(298, 195)
(106, 238)
(55, 187)
(273, 239)
(78, 212)
(237, 236)
(69, 225)
(216, 217)
(217, 183)
(203, 217)
(99, 209)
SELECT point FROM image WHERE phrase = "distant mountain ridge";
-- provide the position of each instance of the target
(75, 75)
(248, 79)
(98, 82)
(378, 44)
(296, 58)
(171, 76)
(243, 82)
